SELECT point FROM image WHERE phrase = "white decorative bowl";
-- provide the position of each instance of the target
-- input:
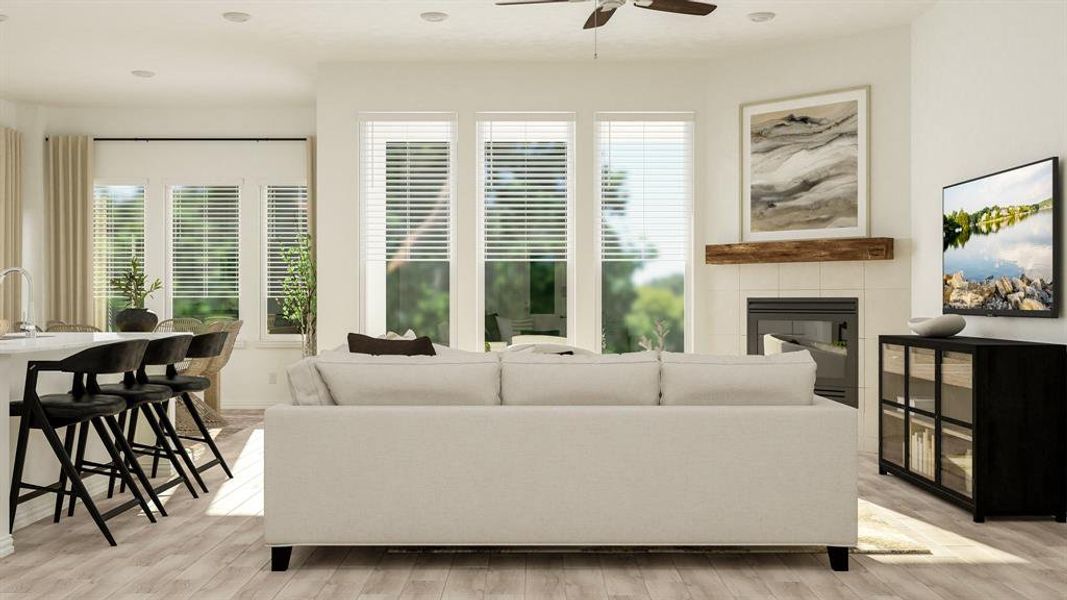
(937, 327)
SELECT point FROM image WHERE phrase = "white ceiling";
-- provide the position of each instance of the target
(81, 52)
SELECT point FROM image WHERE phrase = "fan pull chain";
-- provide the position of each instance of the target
(596, 32)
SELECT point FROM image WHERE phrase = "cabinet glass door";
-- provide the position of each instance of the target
(957, 386)
(893, 434)
(957, 459)
(922, 459)
(922, 369)
(893, 373)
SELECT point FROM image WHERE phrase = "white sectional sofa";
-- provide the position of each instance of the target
(472, 449)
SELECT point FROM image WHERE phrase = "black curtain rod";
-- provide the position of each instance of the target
(200, 139)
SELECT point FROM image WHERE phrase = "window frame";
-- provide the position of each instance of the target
(598, 164)
(168, 256)
(452, 118)
(571, 118)
(265, 338)
(143, 183)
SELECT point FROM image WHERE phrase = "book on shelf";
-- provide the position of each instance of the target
(923, 452)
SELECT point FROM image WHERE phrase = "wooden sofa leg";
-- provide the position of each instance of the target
(838, 557)
(279, 557)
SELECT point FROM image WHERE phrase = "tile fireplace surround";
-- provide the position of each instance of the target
(881, 288)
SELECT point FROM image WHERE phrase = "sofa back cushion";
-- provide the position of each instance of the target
(453, 379)
(527, 378)
(704, 379)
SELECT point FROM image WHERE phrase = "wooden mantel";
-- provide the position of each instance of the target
(822, 250)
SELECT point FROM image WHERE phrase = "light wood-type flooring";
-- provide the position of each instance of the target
(213, 548)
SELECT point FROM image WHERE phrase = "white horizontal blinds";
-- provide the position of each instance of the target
(524, 175)
(645, 189)
(205, 241)
(287, 224)
(118, 238)
(406, 173)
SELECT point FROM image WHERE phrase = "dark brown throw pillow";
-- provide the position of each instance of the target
(364, 344)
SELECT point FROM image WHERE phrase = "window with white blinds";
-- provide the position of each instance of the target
(406, 171)
(286, 227)
(204, 251)
(118, 239)
(646, 195)
(524, 182)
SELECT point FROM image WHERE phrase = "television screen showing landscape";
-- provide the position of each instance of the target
(998, 242)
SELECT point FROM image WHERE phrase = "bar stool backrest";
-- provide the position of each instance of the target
(119, 357)
(207, 345)
(167, 351)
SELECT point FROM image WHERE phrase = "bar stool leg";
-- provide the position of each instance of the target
(16, 471)
(168, 427)
(114, 473)
(79, 461)
(135, 465)
(189, 406)
(120, 462)
(72, 473)
(68, 445)
(174, 461)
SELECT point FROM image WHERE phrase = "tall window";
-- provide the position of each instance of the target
(118, 239)
(646, 190)
(204, 251)
(524, 181)
(286, 226)
(406, 178)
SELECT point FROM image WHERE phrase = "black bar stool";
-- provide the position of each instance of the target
(82, 404)
(137, 392)
(205, 345)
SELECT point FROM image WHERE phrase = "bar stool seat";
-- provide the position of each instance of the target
(69, 408)
(182, 383)
(138, 393)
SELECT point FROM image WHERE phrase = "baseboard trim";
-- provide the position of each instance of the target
(7, 545)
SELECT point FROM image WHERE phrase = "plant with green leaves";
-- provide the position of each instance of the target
(299, 292)
(131, 285)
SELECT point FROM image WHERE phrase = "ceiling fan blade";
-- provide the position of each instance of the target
(517, 2)
(598, 18)
(681, 7)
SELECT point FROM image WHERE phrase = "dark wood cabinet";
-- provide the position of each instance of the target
(979, 422)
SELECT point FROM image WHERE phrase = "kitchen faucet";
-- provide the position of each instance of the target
(28, 325)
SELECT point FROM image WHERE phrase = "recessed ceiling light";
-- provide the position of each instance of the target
(761, 17)
(142, 73)
(434, 16)
(236, 17)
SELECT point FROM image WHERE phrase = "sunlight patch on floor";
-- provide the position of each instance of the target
(946, 547)
(226, 501)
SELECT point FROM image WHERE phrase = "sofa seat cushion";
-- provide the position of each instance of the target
(529, 378)
(703, 379)
(453, 379)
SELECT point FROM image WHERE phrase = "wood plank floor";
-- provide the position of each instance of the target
(213, 548)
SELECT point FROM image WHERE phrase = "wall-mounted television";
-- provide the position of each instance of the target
(1001, 243)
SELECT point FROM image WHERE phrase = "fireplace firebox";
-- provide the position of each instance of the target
(826, 327)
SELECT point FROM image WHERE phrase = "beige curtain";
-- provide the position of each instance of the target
(10, 221)
(69, 187)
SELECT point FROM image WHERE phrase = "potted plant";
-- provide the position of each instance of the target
(299, 292)
(131, 285)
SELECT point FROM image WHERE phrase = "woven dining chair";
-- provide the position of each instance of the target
(210, 405)
(181, 324)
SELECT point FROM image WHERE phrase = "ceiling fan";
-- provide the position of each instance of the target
(605, 8)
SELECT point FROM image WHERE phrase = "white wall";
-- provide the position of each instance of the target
(989, 91)
(345, 90)
(880, 60)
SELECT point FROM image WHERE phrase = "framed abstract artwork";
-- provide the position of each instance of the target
(804, 167)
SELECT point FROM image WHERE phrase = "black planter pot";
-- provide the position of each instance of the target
(136, 319)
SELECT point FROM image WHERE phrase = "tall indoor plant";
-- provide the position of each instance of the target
(299, 292)
(133, 288)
